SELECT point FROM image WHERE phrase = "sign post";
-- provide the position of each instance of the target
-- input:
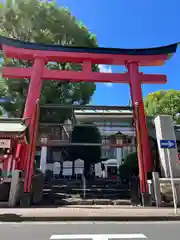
(170, 144)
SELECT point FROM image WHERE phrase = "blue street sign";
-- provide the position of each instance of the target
(168, 143)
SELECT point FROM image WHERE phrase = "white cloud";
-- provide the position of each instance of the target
(106, 69)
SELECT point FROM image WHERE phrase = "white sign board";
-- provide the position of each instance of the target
(5, 143)
(67, 168)
(79, 166)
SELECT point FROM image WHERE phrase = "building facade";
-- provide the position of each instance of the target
(115, 126)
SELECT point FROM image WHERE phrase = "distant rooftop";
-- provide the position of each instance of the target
(97, 111)
(96, 115)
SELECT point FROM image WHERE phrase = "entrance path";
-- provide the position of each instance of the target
(89, 213)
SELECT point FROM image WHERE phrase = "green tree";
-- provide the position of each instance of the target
(129, 166)
(90, 154)
(163, 102)
(44, 22)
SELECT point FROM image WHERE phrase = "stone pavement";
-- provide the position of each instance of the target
(89, 213)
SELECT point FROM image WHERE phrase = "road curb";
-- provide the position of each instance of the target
(17, 218)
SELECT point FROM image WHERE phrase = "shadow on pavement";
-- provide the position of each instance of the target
(10, 217)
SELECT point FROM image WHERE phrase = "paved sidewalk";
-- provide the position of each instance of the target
(85, 213)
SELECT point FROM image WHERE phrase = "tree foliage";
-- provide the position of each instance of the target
(90, 154)
(44, 22)
(163, 102)
(131, 160)
(129, 166)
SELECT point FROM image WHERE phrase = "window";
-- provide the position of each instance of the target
(127, 140)
(108, 153)
(112, 153)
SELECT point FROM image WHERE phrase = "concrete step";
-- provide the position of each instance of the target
(125, 194)
(67, 192)
(99, 183)
(67, 187)
(93, 190)
(80, 201)
(122, 195)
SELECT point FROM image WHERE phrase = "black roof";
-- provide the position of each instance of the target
(141, 51)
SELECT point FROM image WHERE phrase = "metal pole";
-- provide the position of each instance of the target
(172, 182)
(84, 186)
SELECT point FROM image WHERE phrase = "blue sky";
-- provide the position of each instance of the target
(131, 24)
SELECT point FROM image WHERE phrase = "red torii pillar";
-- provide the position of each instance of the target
(41, 54)
(142, 135)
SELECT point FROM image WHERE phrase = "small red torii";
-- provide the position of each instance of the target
(40, 54)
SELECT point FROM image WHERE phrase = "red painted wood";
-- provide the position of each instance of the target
(95, 58)
(33, 146)
(29, 111)
(144, 152)
(10, 72)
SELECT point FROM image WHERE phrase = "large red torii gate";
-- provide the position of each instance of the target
(40, 54)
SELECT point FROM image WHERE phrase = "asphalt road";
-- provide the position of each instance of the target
(90, 230)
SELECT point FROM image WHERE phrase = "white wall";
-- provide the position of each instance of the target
(165, 131)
